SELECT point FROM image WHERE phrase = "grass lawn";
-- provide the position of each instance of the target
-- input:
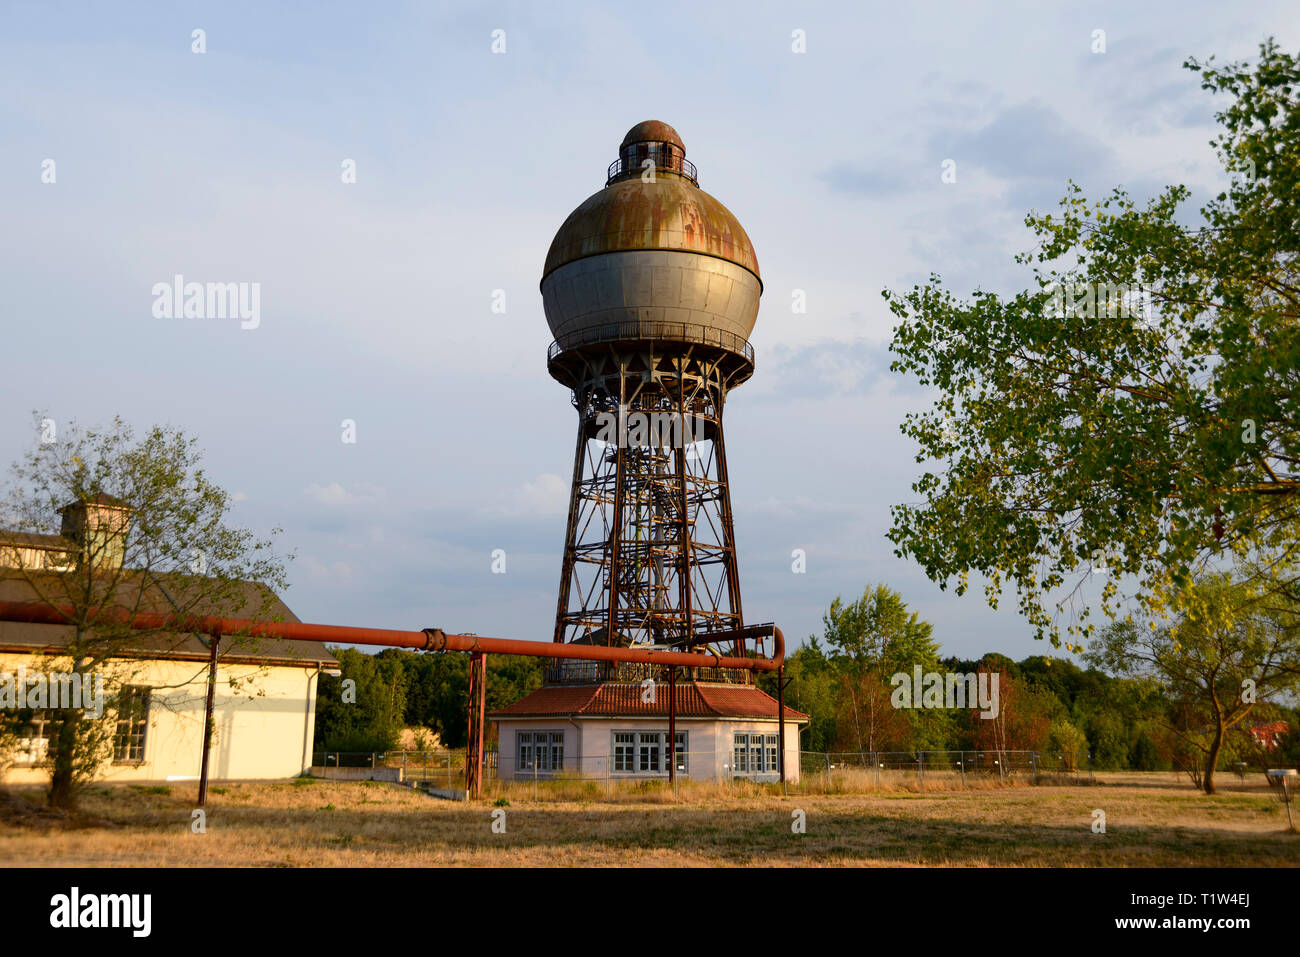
(1151, 820)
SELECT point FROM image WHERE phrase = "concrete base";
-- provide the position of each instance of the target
(393, 775)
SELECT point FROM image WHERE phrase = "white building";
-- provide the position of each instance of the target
(724, 730)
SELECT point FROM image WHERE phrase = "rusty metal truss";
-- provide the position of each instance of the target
(649, 553)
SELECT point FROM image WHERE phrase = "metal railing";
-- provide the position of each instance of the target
(855, 770)
(649, 331)
(575, 672)
(669, 164)
(442, 768)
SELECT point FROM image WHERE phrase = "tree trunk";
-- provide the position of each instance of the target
(62, 774)
(1212, 759)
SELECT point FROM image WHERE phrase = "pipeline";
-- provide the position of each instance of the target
(430, 639)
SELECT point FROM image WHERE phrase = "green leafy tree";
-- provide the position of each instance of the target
(878, 631)
(1143, 755)
(153, 535)
(395, 689)
(1069, 742)
(1078, 434)
(1229, 646)
(871, 639)
(814, 688)
(364, 707)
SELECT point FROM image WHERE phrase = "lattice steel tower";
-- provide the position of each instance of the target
(651, 289)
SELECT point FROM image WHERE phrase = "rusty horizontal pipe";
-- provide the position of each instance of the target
(430, 639)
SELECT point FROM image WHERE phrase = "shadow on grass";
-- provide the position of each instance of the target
(745, 836)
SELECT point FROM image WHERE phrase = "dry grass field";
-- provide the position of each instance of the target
(1152, 820)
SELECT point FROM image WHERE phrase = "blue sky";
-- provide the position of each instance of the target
(376, 296)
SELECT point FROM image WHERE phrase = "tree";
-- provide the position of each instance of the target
(878, 630)
(814, 688)
(871, 639)
(364, 707)
(867, 720)
(1143, 756)
(1135, 410)
(395, 689)
(145, 530)
(1069, 741)
(1023, 718)
(1230, 645)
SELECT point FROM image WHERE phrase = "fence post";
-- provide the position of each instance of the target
(962, 758)
(828, 772)
(920, 768)
(1033, 763)
(875, 763)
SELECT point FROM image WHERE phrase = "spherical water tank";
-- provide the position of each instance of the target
(651, 257)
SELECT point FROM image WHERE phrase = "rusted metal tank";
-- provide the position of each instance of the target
(651, 257)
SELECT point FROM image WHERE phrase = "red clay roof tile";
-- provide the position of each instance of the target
(625, 700)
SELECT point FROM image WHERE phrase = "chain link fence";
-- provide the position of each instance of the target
(880, 770)
(547, 774)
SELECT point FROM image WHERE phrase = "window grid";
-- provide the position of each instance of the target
(646, 752)
(132, 725)
(755, 754)
(540, 750)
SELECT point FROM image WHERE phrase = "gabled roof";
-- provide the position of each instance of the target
(249, 599)
(693, 700)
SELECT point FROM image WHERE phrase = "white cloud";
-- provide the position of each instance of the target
(546, 494)
(335, 573)
(334, 494)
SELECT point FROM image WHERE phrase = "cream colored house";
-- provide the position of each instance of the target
(154, 689)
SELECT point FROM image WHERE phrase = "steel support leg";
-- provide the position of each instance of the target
(474, 741)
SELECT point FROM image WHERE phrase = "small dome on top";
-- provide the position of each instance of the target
(652, 131)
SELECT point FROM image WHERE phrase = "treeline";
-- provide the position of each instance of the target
(397, 689)
(1077, 716)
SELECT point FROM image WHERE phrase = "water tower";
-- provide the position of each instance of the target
(651, 289)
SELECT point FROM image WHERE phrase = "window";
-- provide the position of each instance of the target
(132, 722)
(740, 755)
(624, 752)
(755, 754)
(541, 751)
(34, 738)
(646, 752)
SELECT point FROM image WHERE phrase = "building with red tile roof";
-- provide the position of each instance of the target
(619, 728)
